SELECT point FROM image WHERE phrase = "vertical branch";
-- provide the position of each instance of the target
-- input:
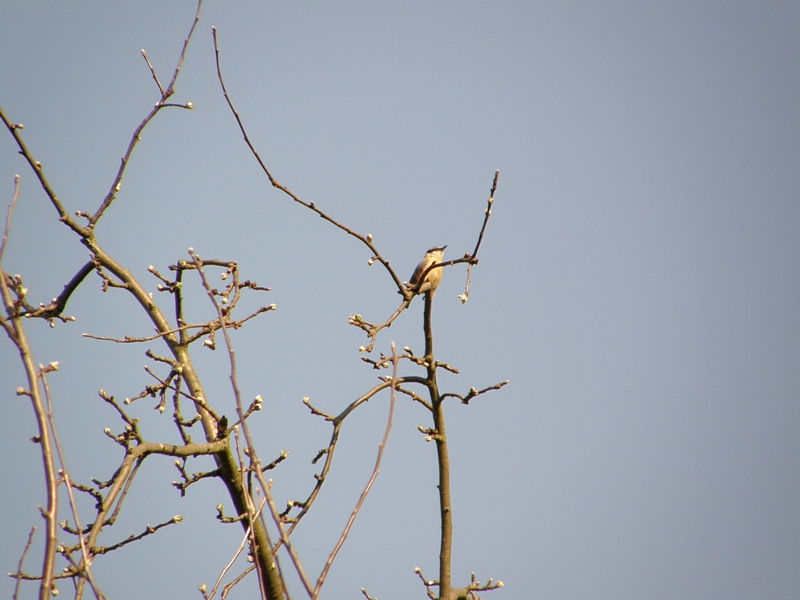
(251, 512)
(263, 552)
(288, 545)
(17, 333)
(8, 216)
(85, 561)
(440, 437)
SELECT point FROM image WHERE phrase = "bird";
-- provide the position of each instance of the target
(433, 277)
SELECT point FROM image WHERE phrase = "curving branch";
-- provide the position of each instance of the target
(365, 239)
(367, 488)
(472, 393)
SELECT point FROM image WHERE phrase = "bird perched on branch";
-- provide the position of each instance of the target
(432, 277)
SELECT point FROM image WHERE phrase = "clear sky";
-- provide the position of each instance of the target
(639, 282)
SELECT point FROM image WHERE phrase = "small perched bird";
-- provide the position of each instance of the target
(433, 277)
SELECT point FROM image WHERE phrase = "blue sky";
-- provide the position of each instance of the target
(638, 283)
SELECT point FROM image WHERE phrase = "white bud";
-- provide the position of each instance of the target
(189, 105)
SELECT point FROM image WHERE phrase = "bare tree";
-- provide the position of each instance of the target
(71, 553)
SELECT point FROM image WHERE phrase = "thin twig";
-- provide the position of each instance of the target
(86, 561)
(135, 139)
(488, 212)
(153, 72)
(264, 553)
(285, 540)
(149, 530)
(365, 239)
(473, 392)
(16, 332)
(227, 567)
(328, 453)
(8, 216)
(226, 590)
(18, 574)
(374, 476)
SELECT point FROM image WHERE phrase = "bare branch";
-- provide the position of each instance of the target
(85, 561)
(230, 586)
(488, 213)
(473, 392)
(136, 138)
(8, 216)
(153, 72)
(463, 297)
(372, 478)
(18, 574)
(262, 549)
(17, 334)
(235, 556)
(365, 239)
(14, 129)
(372, 330)
(57, 306)
(149, 530)
(285, 540)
